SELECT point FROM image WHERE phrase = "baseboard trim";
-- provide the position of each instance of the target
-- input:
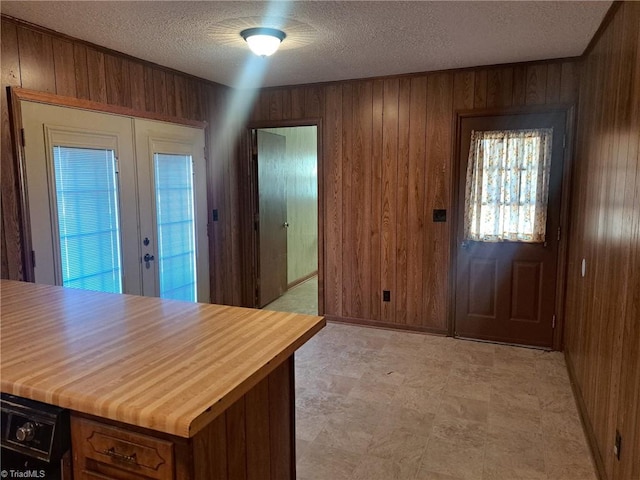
(586, 422)
(302, 279)
(386, 325)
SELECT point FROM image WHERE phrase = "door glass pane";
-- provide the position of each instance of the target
(88, 218)
(175, 217)
(507, 186)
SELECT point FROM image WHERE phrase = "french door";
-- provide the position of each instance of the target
(116, 203)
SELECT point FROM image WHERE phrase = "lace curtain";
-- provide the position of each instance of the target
(507, 185)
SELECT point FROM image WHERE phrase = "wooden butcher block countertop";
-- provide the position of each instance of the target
(165, 365)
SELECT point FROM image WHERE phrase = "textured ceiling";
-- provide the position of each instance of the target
(326, 40)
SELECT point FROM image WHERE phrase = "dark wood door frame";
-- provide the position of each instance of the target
(569, 111)
(248, 194)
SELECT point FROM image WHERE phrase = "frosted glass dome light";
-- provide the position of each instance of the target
(263, 41)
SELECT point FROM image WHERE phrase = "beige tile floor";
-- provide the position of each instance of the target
(303, 298)
(377, 404)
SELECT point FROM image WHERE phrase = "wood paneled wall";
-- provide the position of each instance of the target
(38, 59)
(602, 336)
(387, 163)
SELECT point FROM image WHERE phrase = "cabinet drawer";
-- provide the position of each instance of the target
(96, 444)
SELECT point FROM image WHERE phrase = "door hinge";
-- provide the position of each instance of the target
(553, 322)
(559, 230)
(254, 143)
(564, 141)
(33, 258)
(117, 165)
(22, 138)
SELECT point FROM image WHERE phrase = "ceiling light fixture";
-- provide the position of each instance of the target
(263, 41)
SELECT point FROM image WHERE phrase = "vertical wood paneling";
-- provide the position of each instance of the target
(170, 94)
(149, 92)
(376, 198)
(236, 441)
(628, 407)
(136, 82)
(609, 328)
(436, 239)
(464, 89)
(275, 98)
(297, 103)
(518, 95)
(333, 214)
(568, 82)
(312, 101)
(360, 192)
(159, 92)
(118, 81)
(97, 76)
(257, 426)
(499, 87)
(415, 201)
(211, 440)
(602, 309)
(63, 60)
(554, 78)
(480, 89)
(262, 108)
(197, 103)
(254, 438)
(536, 84)
(286, 105)
(398, 151)
(349, 276)
(81, 71)
(9, 195)
(390, 120)
(399, 294)
(37, 69)
(181, 93)
(281, 422)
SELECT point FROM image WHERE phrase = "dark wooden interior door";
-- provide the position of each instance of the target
(272, 211)
(506, 291)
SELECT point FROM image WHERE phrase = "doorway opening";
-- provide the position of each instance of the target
(285, 165)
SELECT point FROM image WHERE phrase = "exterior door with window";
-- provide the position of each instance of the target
(508, 227)
(172, 181)
(111, 198)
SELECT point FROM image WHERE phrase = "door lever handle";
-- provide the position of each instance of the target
(285, 224)
(148, 258)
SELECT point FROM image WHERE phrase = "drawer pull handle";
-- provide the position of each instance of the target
(111, 452)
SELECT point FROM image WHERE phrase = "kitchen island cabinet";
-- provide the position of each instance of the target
(158, 389)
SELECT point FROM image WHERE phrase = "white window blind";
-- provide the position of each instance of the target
(88, 218)
(176, 226)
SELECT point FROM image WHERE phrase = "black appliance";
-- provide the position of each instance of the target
(36, 440)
